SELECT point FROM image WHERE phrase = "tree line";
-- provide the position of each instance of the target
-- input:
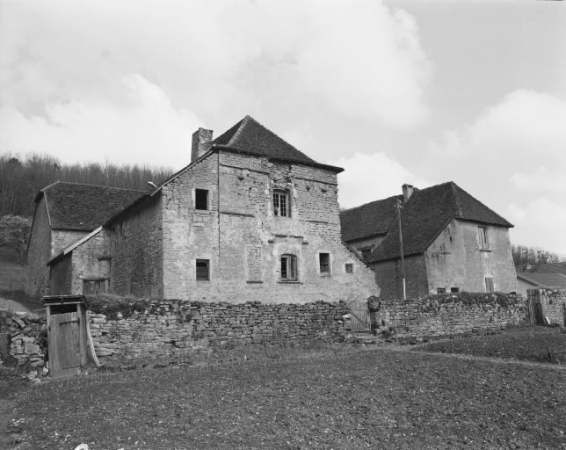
(524, 256)
(21, 178)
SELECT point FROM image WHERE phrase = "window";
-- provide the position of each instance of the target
(349, 268)
(489, 284)
(441, 290)
(288, 268)
(483, 238)
(366, 251)
(324, 263)
(201, 199)
(203, 270)
(454, 290)
(281, 205)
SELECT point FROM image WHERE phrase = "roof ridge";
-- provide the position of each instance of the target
(90, 185)
(456, 199)
(240, 129)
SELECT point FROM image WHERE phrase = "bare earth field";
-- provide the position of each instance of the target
(350, 398)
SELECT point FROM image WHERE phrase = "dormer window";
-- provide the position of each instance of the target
(281, 206)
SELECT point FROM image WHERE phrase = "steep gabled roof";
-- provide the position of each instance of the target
(372, 219)
(427, 213)
(84, 207)
(249, 136)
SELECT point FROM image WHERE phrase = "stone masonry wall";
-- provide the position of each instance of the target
(23, 341)
(39, 252)
(388, 275)
(176, 329)
(553, 302)
(446, 315)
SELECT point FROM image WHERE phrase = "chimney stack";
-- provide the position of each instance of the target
(202, 141)
(408, 190)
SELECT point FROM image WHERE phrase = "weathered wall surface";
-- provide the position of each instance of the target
(371, 242)
(388, 275)
(190, 234)
(455, 260)
(173, 329)
(23, 340)
(449, 315)
(89, 261)
(39, 252)
(553, 302)
(137, 251)
(244, 240)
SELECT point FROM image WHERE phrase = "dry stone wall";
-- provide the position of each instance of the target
(176, 329)
(448, 315)
(23, 341)
(553, 303)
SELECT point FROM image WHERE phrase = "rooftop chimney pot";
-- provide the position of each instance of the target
(408, 190)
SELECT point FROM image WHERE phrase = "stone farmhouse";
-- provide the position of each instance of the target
(251, 218)
(451, 242)
(65, 213)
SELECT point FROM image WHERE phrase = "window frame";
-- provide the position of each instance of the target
(365, 252)
(201, 261)
(291, 265)
(327, 270)
(489, 285)
(349, 268)
(483, 238)
(279, 194)
(197, 202)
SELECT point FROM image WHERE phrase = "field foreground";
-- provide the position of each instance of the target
(379, 398)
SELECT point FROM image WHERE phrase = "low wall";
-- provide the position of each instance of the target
(553, 303)
(173, 329)
(23, 340)
(447, 314)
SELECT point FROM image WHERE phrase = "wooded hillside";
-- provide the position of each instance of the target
(22, 177)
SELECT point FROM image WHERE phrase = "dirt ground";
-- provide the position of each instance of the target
(383, 398)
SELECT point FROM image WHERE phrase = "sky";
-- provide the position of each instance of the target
(405, 91)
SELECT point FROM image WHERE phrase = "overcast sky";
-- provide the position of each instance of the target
(413, 91)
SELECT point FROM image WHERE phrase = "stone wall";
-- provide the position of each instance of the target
(388, 275)
(137, 251)
(553, 302)
(447, 315)
(176, 329)
(23, 341)
(39, 252)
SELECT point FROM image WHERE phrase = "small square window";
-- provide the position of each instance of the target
(288, 268)
(441, 290)
(324, 263)
(201, 199)
(365, 252)
(203, 269)
(349, 268)
(281, 206)
(454, 290)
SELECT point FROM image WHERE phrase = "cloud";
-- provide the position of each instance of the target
(220, 60)
(539, 224)
(517, 149)
(90, 130)
(372, 177)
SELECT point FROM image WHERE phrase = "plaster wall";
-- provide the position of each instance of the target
(455, 259)
(39, 252)
(388, 275)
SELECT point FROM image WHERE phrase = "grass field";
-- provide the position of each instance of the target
(383, 398)
(537, 344)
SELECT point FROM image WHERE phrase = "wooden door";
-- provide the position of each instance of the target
(64, 344)
(360, 318)
(539, 319)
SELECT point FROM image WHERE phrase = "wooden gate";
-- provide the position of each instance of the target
(360, 318)
(539, 319)
(66, 334)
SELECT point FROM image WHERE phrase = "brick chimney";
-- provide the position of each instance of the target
(408, 190)
(202, 140)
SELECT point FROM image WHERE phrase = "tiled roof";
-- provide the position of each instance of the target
(371, 219)
(249, 136)
(550, 280)
(427, 213)
(84, 207)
